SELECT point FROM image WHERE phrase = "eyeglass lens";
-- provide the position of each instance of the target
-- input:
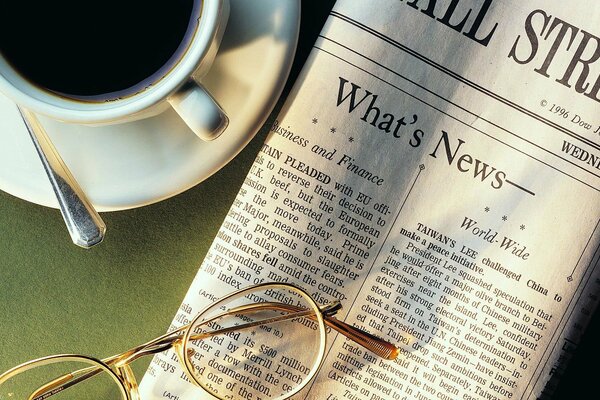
(265, 361)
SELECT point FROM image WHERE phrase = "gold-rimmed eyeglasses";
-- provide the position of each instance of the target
(264, 341)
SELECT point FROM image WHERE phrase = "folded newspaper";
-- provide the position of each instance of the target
(436, 168)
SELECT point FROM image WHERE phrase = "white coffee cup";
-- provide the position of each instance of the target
(178, 87)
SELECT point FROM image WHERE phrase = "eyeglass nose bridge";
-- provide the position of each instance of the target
(126, 376)
(178, 347)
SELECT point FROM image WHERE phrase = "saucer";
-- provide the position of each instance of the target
(138, 163)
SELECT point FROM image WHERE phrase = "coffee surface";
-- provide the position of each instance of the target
(90, 48)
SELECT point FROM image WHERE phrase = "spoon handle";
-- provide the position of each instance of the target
(83, 222)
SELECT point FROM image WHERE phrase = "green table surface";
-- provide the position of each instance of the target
(58, 298)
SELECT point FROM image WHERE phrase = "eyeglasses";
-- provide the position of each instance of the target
(264, 341)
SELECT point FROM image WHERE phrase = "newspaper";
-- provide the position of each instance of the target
(436, 168)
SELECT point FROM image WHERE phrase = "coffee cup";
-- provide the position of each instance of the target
(118, 62)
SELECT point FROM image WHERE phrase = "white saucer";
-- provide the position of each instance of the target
(138, 163)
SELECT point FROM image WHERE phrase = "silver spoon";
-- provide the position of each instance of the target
(83, 222)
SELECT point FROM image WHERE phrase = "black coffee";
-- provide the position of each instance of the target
(93, 47)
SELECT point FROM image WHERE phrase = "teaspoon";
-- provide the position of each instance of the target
(83, 222)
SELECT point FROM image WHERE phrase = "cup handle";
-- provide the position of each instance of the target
(199, 110)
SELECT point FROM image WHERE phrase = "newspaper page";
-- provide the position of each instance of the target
(436, 168)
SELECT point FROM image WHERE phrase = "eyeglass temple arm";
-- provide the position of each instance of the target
(64, 382)
(380, 347)
(166, 341)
